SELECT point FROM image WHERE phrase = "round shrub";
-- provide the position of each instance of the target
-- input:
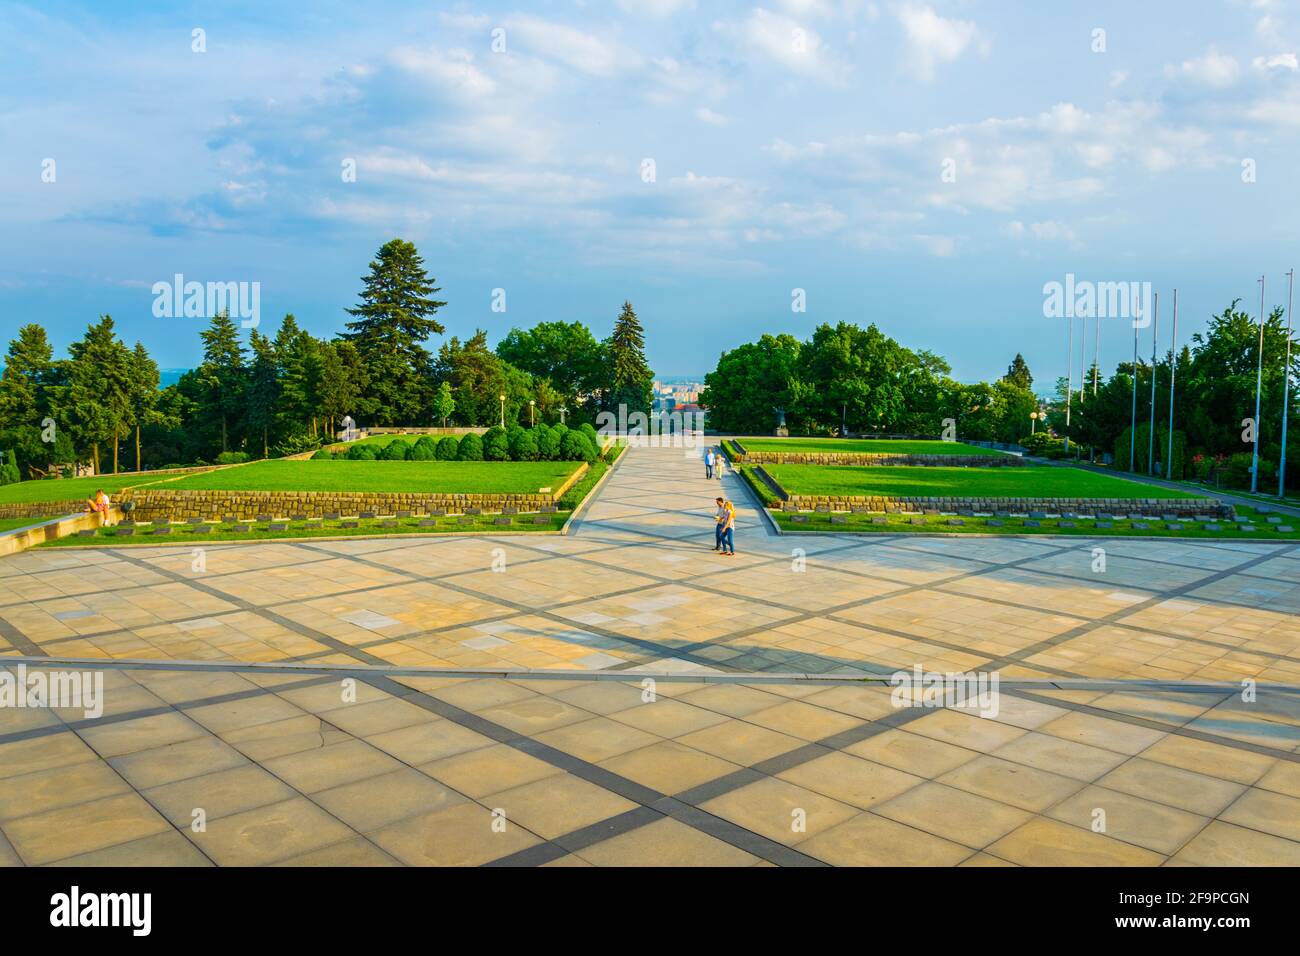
(423, 450)
(523, 444)
(471, 448)
(395, 450)
(574, 446)
(548, 443)
(322, 455)
(232, 458)
(361, 452)
(495, 445)
(447, 449)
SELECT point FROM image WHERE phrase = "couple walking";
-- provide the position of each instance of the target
(723, 542)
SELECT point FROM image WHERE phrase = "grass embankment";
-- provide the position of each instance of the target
(72, 489)
(909, 481)
(864, 446)
(401, 477)
(260, 531)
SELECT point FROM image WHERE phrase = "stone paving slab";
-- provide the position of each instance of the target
(417, 768)
(301, 770)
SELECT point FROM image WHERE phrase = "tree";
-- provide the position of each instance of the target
(630, 378)
(144, 395)
(340, 380)
(26, 389)
(394, 316)
(97, 398)
(222, 375)
(1018, 373)
(295, 355)
(263, 392)
(750, 382)
(478, 378)
(561, 356)
(443, 402)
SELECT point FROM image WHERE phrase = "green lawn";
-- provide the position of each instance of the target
(71, 489)
(1122, 528)
(907, 481)
(861, 446)
(260, 531)
(413, 477)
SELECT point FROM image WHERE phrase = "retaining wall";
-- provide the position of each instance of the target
(1122, 506)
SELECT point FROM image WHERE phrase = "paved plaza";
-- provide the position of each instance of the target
(700, 709)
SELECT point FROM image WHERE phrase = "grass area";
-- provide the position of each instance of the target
(260, 531)
(9, 524)
(932, 524)
(864, 446)
(908, 481)
(415, 477)
(72, 489)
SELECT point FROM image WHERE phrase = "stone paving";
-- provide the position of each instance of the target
(726, 758)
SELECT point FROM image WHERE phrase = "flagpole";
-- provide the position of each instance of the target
(1286, 388)
(1151, 436)
(1173, 372)
(1259, 384)
(1069, 375)
(1132, 429)
(1096, 354)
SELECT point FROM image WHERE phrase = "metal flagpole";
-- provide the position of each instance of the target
(1259, 384)
(1096, 354)
(1155, 334)
(1083, 359)
(1069, 375)
(1132, 429)
(1286, 388)
(1173, 371)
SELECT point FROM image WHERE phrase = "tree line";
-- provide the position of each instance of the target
(861, 381)
(1214, 381)
(288, 392)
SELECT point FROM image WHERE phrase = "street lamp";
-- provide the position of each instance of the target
(532, 405)
(1033, 421)
(563, 409)
(1259, 384)
(503, 410)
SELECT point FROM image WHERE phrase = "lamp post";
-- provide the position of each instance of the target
(1286, 387)
(563, 409)
(503, 410)
(532, 406)
(1033, 421)
(1069, 374)
(1259, 384)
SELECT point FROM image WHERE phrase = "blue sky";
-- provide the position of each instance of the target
(797, 144)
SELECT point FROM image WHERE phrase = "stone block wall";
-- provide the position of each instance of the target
(1153, 507)
(160, 504)
(836, 458)
(42, 509)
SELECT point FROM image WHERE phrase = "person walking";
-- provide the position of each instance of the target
(708, 464)
(718, 519)
(726, 524)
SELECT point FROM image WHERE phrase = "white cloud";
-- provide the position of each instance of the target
(584, 52)
(934, 39)
(795, 47)
(452, 69)
(706, 115)
(1214, 69)
(1279, 61)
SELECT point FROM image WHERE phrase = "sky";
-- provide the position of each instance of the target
(926, 166)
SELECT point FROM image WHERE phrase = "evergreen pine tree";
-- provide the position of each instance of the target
(394, 317)
(630, 376)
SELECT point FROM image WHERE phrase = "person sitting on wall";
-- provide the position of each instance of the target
(100, 504)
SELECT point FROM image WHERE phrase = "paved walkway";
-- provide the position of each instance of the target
(593, 765)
